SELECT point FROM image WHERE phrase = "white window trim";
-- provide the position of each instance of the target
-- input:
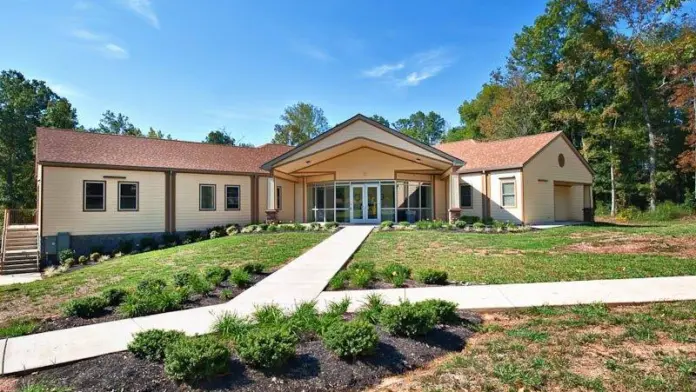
(514, 193)
(137, 196)
(239, 198)
(200, 197)
(84, 196)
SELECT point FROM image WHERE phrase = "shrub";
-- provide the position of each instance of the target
(148, 243)
(396, 274)
(338, 308)
(94, 257)
(362, 265)
(195, 358)
(405, 223)
(314, 226)
(407, 319)
(270, 314)
(351, 339)
(193, 236)
(232, 230)
(170, 239)
(214, 234)
(339, 280)
(216, 274)
(126, 246)
(386, 225)
(151, 344)
(361, 278)
(196, 284)
(372, 309)
(431, 276)
(226, 294)
(240, 278)
(267, 347)
(114, 296)
(83, 259)
(479, 225)
(86, 307)
(469, 219)
(444, 311)
(253, 268)
(249, 229)
(68, 262)
(151, 297)
(153, 284)
(272, 228)
(230, 326)
(65, 254)
(330, 225)
(305, 319)
(182, 279)
(424, 225)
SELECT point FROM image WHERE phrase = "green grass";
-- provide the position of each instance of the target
(18, 327)
(43, 298)
(537, 256)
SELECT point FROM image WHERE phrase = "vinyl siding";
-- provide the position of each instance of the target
(188, 215)
(440, 189)
(540, 175)
(62, 209)
(476, 182)
(263, 198)
(498, 212)
(287, 212)
(299, 201)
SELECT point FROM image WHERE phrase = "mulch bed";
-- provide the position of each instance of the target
(409, 283)
(196, 301)
(314, 368)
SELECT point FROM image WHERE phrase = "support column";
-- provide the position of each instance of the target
(271, 209)
(454, 208)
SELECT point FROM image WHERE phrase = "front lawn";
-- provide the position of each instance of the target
(569, 253)
(41, 299)
(580, 348)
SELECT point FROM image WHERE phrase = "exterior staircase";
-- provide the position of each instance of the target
(19, 251)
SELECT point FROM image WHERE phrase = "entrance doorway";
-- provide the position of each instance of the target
(364, 203)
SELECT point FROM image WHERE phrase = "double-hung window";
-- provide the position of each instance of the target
(232, 197)
(128, 196)
(507, 193)
(465, 198)
(207, 197)
(94, 196)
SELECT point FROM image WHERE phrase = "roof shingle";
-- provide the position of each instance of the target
(498, 154)
(72, 147)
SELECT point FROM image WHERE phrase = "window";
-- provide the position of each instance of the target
(465, 196)
(232, 197)
(207, 197)
(561, 160)
(508, 193)
(279, 197)
(128, 196)
(95, 196)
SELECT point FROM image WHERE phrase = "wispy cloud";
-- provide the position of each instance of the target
(66, 90)
(382, 70)
(413, 70)
(143, 8)
(87, 35)
(114, 51)
(314, 52)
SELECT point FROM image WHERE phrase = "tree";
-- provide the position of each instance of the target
(381, 120)
(24, 105)
(300, 122)
(513, 113)
(116, 124)
(470, 112)
(428, 129)
(219, 136)
(156, 134)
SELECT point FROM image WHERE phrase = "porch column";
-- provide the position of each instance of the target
(454, 208)
(271, 210)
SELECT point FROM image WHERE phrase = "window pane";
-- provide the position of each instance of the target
(94, 196)
(129, 190)
(342, 216)
(425, 196)
(207, 197)
(426, 214)
(387, 214)
(465, 196)
(508, 188)
(388, 196)
(329, 197)
(329, 215)
(94, 189)
(128, 203)
(401, 215)
(413, 199)
(94, 203)
(232, 198)
(508, 201)
(342, 196)
(401, 198)
(320, 197)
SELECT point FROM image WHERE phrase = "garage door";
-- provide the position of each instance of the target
(561, 202)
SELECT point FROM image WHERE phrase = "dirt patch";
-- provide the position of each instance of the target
(682, 247)
(313, 369)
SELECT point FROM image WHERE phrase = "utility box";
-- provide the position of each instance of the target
(50, 245)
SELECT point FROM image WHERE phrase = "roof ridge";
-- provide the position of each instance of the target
(144, 138)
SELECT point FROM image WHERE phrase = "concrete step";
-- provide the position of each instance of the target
(9, 253)
(9, 270)
(20, 264)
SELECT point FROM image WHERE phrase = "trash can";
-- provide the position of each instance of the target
(411, 216)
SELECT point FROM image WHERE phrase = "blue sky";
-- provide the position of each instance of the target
(187, 67)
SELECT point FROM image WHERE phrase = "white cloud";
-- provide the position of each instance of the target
(87, 35)
(314, 52)
(143, 8)
(382, 70)
(114, 51)
(415, 78)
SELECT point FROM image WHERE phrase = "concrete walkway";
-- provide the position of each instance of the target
(507, 296)
(6, 280)
(302, 279)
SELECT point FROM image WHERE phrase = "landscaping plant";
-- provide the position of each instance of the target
(195, 358)
(65, 254)
(445, 311)
(269, 314)
(240, 278)
(151, 297)
(152, 344)
(253, 268)
(351, 339)
(407, 319)
(372, 309)
(216, 274)
(82, 260)
(304, 320)
(431, 276)
(230, 326)
(396, 274)
(266, 347)
(86, 307)
(339, 280)
(114, 296)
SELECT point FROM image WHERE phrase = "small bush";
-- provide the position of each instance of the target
(405, 223)
(469, 219)
(273, 228)
(330, 225)
(214, 234)
(193, 236)
(94, 257)
(372, 309)
(83, 260)
(154, 284)
(339, 280)
(151, 297)
(479, 225)
(114, 296)
(226, 294)
(65, 254)
(460, 224)
(267, 347)
(407, 319)
(170, 239)
(396, 274)
(304, 320)
(444, 311)
(195, 358)
(151, 344)
(230, 326)
(253, 268)
(386, 225)
(68, 263)
(126, 247)
(182, 279)
(351, 339)
(361, 278)
(240, 278)
(216, 274)
(232, 230)
(338, 308)
(431, 276)
(148, 243)
(87, 307)
(368, 266)
(270, 314)
(196, 284)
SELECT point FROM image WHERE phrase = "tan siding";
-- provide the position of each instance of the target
(63, 197)
(320, 178)
(263, 198)
(476, 182)
(498, 212)
(299, 205)
(188, 216)
(365, 163)
(540, 174)
(440, 189)
(287, 213)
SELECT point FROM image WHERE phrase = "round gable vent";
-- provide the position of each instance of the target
(561, 160)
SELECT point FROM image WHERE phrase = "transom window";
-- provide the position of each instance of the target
(279, 197)
(128, 196)
(207, 197)
(232, 197)
(465, 196)
(94, 196)
(508, 193)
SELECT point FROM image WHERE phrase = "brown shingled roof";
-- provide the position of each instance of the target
(498, 154)
(70, 147)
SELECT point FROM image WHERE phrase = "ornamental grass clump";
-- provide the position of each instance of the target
(230, 326)
(396, 274)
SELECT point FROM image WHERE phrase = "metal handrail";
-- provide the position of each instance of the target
(3, 238)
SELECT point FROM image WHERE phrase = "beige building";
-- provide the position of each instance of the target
(96, 190)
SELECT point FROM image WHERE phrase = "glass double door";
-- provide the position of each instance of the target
(364, 203)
